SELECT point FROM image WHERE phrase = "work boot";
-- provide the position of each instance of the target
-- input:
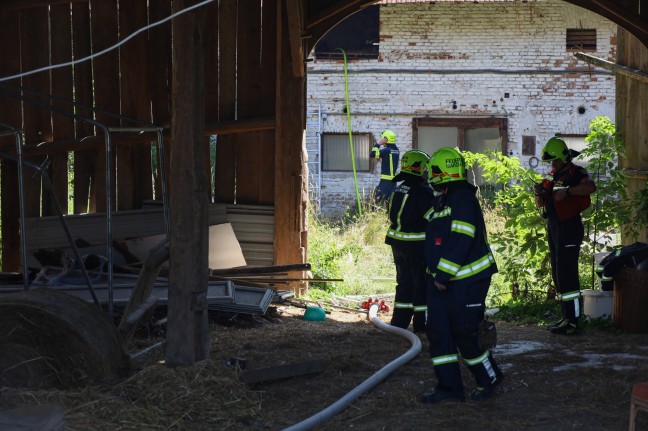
(481, 393)
(555, 324)
(437, 396)
(565, 328)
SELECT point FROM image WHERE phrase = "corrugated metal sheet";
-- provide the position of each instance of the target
(254, 229)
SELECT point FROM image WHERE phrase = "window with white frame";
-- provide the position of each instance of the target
(336, 151)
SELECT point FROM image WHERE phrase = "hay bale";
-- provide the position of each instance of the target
(52, 339)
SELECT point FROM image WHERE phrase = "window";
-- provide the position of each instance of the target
(528, 145)
(476, 135)
(581, 39)
(358, 35)
(336, 152)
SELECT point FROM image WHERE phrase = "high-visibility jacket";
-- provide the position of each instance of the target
(456, 247)
(388, 156)
(407, 206)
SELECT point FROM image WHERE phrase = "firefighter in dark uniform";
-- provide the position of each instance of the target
(460, 265)
(408, 205)
(563, 198)
(387, 151)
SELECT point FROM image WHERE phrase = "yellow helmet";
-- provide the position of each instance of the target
(414, 162)
(446, 165)
(555, 148)
(390, 135)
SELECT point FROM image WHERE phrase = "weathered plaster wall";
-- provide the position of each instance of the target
(476, 54)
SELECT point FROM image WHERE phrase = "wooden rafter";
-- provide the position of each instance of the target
(614, 67)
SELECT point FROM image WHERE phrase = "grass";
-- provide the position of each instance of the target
(353, 249)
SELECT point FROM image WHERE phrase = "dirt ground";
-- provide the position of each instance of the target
(552, 382)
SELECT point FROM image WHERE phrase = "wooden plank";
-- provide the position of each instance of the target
(267, 106)
(266, 172)
(614, 67)
(211, 63)
(84, 161)
(34, 35)
(290, 178)
(285, 371)
(248, 148)
(227, 35)
(62, 125)
(134, 177)
(295, 29)
(105, 32)
(631, 112)
(10, 113)
(188, 328)
(160, 77)
(224, 181)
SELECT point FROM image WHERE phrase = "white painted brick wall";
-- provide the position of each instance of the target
(474, 53)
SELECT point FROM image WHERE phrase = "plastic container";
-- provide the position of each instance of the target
(597, 303)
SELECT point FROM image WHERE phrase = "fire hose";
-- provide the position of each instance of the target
(372, 381)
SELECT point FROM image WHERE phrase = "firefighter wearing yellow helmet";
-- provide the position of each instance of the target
(460, 265)
(387, 151)
(562, 199)
(408, 204)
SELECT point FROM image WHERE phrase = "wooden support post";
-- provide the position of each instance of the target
(631, 114)
(291, 189)
(188, 328)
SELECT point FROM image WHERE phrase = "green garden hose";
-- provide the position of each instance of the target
(348, 112)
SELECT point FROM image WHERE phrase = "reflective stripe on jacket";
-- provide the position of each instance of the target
(456, 247)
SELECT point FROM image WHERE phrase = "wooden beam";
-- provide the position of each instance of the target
(291, 187)
(98, 141)
(295, 31)
(188, 327)
(614, 67)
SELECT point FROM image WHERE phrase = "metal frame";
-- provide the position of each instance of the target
(142, 127)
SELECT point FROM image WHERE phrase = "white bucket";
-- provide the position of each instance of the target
(597, 303)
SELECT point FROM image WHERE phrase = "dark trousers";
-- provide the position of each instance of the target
(565, 239)
(410, 286)
(384, 190)
(452, 327)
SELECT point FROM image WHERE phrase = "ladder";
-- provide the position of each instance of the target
(313, 149)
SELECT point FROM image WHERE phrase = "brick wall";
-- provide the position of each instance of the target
(502, 59)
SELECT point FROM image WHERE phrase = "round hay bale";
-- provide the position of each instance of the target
(51, 339)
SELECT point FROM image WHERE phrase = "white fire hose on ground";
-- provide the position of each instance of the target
(372, 381)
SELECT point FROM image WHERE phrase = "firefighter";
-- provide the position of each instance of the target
(408, 204)
(460, 265)
(387, 151)
(562, 199)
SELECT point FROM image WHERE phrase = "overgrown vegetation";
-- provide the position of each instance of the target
(353, 249)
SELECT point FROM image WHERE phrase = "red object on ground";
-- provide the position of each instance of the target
(381, 304)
